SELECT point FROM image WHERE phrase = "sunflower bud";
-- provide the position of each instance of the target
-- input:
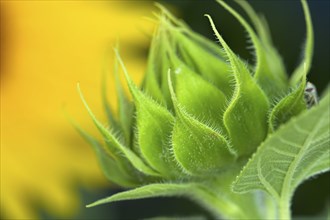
(201, 109)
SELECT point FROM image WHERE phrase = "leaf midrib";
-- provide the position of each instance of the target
(288, 178)
(311, 167)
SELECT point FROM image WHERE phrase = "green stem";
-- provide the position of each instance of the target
(224, 207)
(216, 196)
(284, 209)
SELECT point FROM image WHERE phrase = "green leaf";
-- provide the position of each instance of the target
(270, 72)
(113, 169)
(204, 58)
(155, 83)
(109, 112)
(258, 21)
(200, 54)
(152, 80)
(305, 64)
(289, 106)
(115, 147)
(198, 148)
(198, 97)
(125, 108)
(165, 65)
(294, 153)
(155, 125)
(148, 191)
(223, 203)
(246, 116)
(160, 60)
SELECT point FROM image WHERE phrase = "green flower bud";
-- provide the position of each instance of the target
(201, 107)
(201, 110)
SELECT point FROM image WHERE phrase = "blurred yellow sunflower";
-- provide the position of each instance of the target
(46, 48)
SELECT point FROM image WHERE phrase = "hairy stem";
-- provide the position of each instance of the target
(216, 196)
(284, 208)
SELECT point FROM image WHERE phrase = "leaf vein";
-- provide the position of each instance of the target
(286, 185)
(264, 182)
(291, 144)
(281, 152)
(301, 130)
